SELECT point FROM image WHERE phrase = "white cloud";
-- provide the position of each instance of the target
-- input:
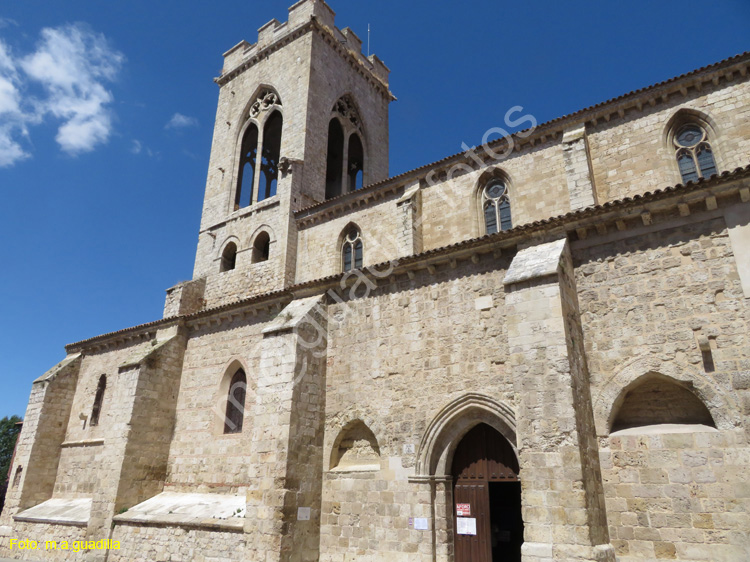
(72, 63)
(138, 148)
(180, 121)
(7, 22)
(12, 119)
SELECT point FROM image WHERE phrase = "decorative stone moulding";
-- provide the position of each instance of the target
(265, 100)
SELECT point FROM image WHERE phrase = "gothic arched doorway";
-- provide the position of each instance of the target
(487, 498)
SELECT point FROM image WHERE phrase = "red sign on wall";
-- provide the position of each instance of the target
(463, 509)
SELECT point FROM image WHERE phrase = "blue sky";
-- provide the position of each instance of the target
(106, 115)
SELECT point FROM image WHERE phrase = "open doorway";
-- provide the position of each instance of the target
(487, 498)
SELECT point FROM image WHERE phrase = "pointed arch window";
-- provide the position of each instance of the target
(352, 250)
(345, 160)
(98, 400)
(271, 153)
(695, 157)
(244, 195)
(235, 412)
(356, 162)
(260, 151)
(335, 158)
(496, 206)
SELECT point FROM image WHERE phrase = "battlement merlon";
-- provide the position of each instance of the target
(302, 13)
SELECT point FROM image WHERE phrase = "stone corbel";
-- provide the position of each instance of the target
(290, 165)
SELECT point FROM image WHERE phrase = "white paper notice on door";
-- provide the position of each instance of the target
(466, 526)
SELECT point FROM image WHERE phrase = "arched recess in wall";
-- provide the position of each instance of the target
(658, 400)
(346, 151)
(452, 423)
(492, 202)
(692, 142)
(355, 449)
(336, 424)
(259, 146)
(723, 409)
(234, 399)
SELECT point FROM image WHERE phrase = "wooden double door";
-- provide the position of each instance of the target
(487, 499)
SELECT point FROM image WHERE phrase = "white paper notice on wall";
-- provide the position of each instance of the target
(466, 525)
(303, 514)
(408, 448)
(420, 524)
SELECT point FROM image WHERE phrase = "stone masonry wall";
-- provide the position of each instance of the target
(331, 77)
(645, 303)
(678, 496)
(319, 246)
(630, 155)
(452, 210)
(202, 458)
(234, 99)
(151, 543)
(627, 156)
(42, 532)
(395, 358)
(82, 467)
(38, 449)
(243, 282)
(152, 424)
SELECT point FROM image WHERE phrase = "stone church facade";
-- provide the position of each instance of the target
(535, 350)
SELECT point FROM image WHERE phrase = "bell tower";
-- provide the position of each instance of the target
(273, 152)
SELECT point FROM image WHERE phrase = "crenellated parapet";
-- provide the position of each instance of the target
(304, 16)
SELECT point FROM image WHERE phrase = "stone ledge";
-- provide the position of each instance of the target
(58, 511)
(201, 511)
(83, 443)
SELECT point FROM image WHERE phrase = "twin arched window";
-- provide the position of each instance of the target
(695, 157)
(235, 411)
(496, 206)
(352, 249)
(345, 159)
(258, 175)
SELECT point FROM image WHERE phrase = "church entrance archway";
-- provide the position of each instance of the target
(487, 498)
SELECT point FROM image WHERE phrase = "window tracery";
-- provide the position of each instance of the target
(260, 151)
(695, 157)
(352, 250)
(496, 206)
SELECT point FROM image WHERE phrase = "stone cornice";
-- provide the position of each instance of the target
(620, 108)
